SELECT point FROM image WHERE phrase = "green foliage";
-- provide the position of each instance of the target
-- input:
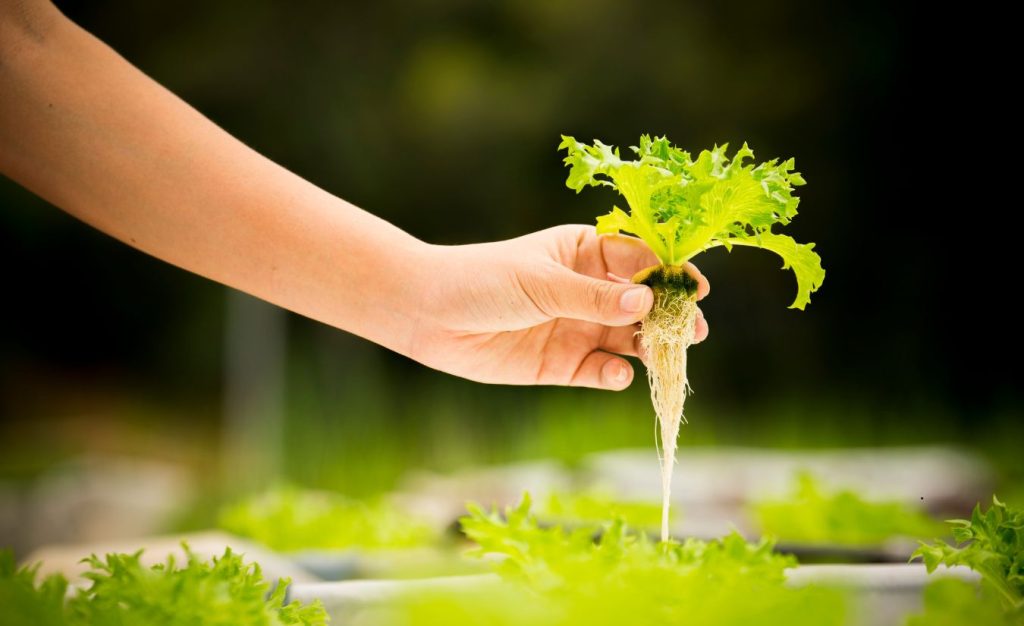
(681, 206)
(990, 543)
(22, 601)
(554, 576)
(289, 518)
(573, 508)
(954, 602)
(225, 591)
(840, 518)
(554, 556)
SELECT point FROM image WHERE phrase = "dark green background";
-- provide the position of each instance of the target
(443, 117)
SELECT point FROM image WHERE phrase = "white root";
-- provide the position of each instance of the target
(665, 334)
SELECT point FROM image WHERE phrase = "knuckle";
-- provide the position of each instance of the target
(600, 296)
(539, 284)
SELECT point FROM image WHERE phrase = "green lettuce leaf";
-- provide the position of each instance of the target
(681, 206)
(992, 544)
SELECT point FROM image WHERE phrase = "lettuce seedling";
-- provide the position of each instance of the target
(992, 544)
(288, 518)
(222, 592)
(681, 206)
(843, 517)
(547, 556)
(605, 574)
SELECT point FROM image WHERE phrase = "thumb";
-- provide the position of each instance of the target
(575, 296)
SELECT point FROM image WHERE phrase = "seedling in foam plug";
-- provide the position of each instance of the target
(681, 206)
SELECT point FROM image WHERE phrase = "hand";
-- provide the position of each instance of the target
(550, 308)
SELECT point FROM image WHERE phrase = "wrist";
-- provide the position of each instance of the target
(438, 287)
(425, 270)
(399, 292)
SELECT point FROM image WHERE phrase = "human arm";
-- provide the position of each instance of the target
(84, 129)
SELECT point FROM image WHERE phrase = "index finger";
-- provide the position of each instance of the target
(624, 255)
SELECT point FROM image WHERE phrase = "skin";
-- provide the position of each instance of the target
(84, 129)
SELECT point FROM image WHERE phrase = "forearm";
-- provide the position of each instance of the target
(90, 133)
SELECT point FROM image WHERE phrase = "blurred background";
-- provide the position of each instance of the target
(125, 380)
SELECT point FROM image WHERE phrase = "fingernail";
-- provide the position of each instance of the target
(634, 300)
(616, 372)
